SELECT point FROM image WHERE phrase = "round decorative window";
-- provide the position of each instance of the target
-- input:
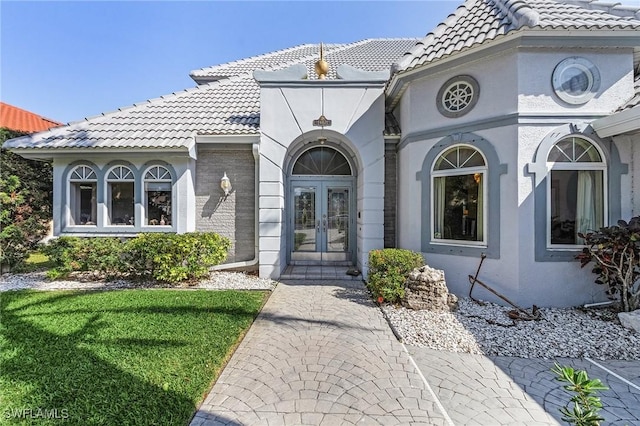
(576, 80)
(458, 96)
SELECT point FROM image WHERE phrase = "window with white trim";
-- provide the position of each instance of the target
(459, 190)
(576, 191)
(157, 196)
(120, 196)
(82, 196)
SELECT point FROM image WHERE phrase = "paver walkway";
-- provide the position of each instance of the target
(474, 391)
(321, 353)
(479, 390)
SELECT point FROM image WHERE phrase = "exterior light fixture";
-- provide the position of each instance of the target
(225, 184)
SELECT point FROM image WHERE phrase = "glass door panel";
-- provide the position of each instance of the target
(321, 219)
(336, 221)
(305, 223)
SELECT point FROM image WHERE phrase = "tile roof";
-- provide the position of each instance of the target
(368, 55)
(229, 105)
(18, 119)
(274, 60)
(478, 21)
(635, 100)
(226, 101)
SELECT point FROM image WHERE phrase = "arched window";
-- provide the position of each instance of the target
(322, 161)
(576, 195)
(158, 196)
(82, 196)
(120, 195)
(459, 191)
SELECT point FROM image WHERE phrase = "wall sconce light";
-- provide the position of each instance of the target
(225, 184)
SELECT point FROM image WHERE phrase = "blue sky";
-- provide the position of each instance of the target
(70, 60)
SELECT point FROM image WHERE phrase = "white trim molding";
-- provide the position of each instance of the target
(627, 121)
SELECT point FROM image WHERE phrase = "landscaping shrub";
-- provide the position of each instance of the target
(61, 252)
(25, 197)
(388, 271)
(20, 227)
(615, 250)
(163, 257)
(101, 255)
(176, 257)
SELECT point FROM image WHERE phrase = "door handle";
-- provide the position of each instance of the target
(324, 225)
(318, 225)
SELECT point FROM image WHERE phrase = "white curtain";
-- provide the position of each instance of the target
(438, 206)
(589, 209)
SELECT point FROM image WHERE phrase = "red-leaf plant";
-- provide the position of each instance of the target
(615, 250)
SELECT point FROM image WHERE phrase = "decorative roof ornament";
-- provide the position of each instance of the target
(322, 66)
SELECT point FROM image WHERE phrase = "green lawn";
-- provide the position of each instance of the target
(37, 262)
(115, 357)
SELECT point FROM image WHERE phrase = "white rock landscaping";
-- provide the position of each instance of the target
(572, 333)
(217, 280)
(630, 320)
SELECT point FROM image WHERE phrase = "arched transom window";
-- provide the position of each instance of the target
(120, 173)
(322, 161)
(120, 195)
(158, 196)
(82, 196)
(459, 188)
(83, 173)
(576, 196)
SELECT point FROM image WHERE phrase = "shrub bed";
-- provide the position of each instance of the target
(388, 271)
(163, 257)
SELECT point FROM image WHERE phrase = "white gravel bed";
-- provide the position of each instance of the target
(217, 281)
(236, 281)
(487, 330)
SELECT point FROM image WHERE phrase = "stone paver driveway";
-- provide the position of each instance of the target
(321, 353)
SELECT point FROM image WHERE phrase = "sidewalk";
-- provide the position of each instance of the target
(321, 353)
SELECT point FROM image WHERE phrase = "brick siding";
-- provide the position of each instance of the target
(390, 195)
(233, 216)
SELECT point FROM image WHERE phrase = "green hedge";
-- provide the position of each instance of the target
(176, 257)
(388, 271)
(163, 257)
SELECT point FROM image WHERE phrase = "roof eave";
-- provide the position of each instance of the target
(620, 123)
(49, 153)
(399, 80)
(528, 37)
(204, 138)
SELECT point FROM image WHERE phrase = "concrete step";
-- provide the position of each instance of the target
(314, 272)
(346, 263)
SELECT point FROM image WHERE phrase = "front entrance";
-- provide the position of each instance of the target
(321, 220)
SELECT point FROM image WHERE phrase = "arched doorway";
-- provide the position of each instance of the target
(322, 201)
